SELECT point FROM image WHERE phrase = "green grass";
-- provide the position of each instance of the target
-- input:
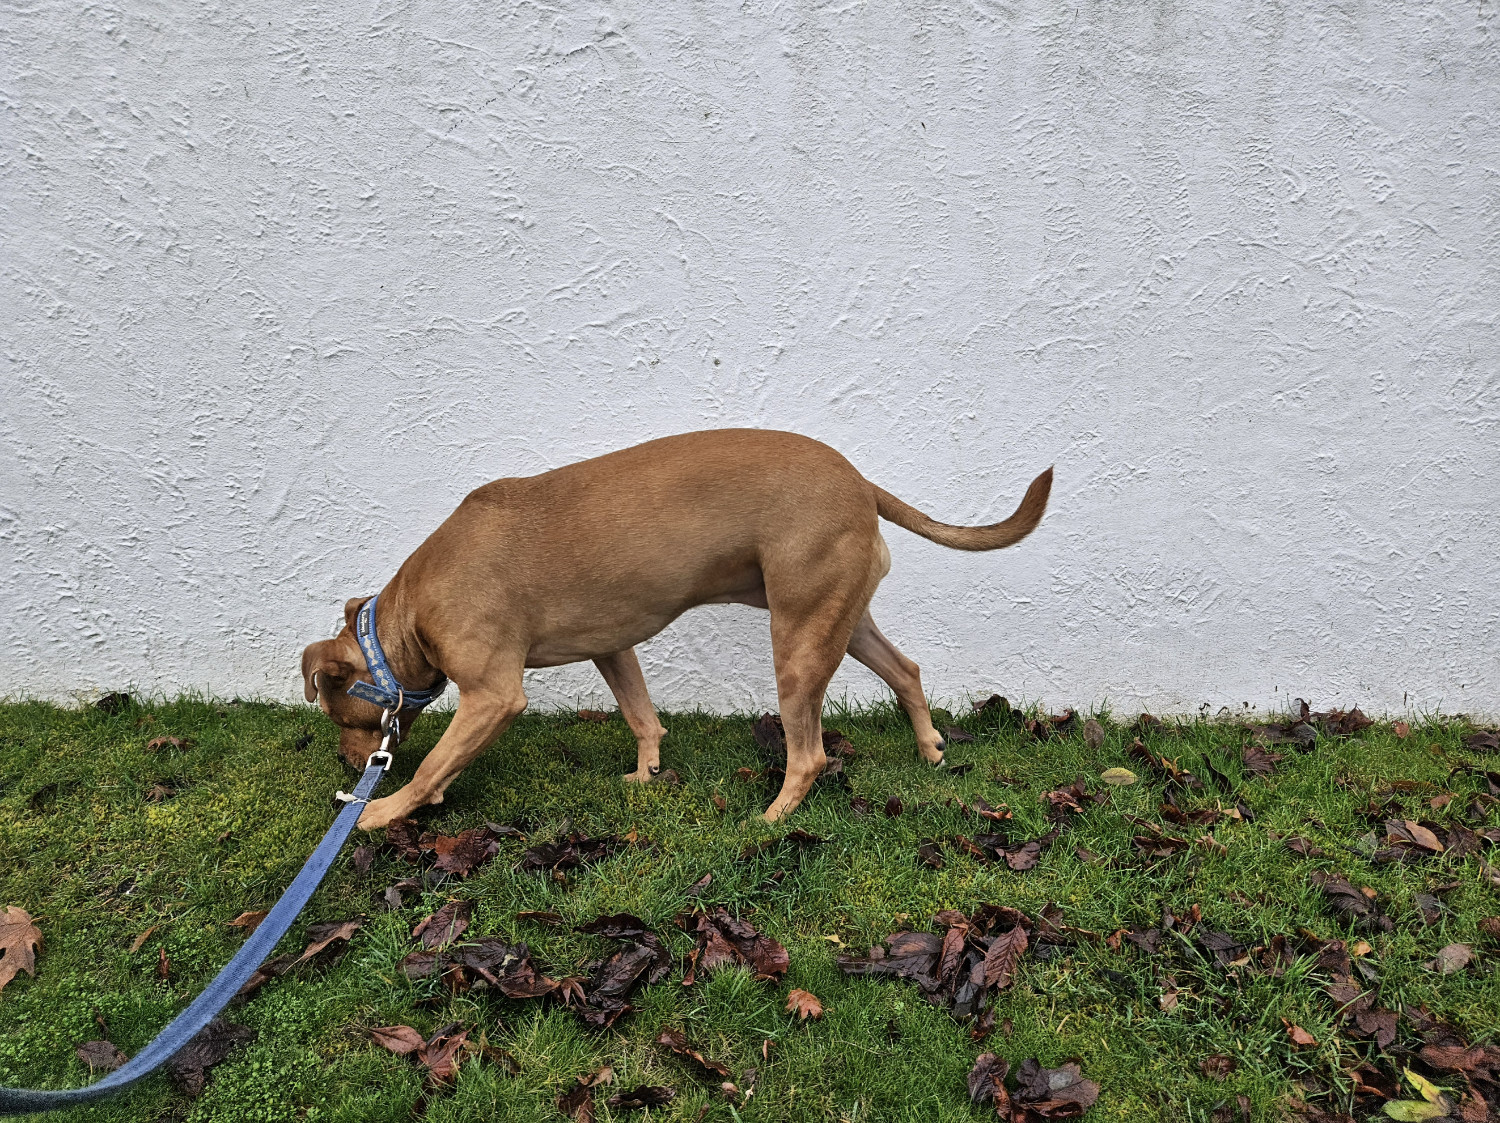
(89, 849)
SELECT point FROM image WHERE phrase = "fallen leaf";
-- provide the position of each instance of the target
(578, 1104)
(1490, 926)
(463, 853)
(930, 854)
(893, 807)
(249, 921)
(140, 941)
(676, 1041)
(272, 968)
(1483, 742)
(592, 715)
(701, 884)
(444, 926)
(642, 1096)
(113, 703)
(163, 964)
(641, 957)
(953, 735)
(804, 1004)
(1299, 1036)
(1118, 777)
(20, 941)
(1413, 1111)
(727, 939)
(719, 801)
(440, 1053)
(1304, 847)
(570, 852)
(158, 743)
(322, 937)
(1218, 1066)
(1053, 1093)
(987, 1081)
(1454, 957)
(1093, 735)
(1004, 955)
(542, 917)
(859, 805)
(1402, 730)
(1258, 761)
(400, 1040)
(189, 1068)
(393, 894)
(101, 1055)
(1426, 1088)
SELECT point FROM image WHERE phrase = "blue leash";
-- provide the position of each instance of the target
(187, 1025)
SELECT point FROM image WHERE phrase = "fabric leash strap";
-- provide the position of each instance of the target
(385, 691)
(202, 1010)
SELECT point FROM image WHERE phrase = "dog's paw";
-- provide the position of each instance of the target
(642, 775)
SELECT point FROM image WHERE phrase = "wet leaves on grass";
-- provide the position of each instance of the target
(727, 939)
(213, 1044)
(959, 969)
(1039, 1093)
(573, 851)
(676, 1041)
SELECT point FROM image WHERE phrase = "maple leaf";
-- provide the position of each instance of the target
(804, 1004)
(20, 940)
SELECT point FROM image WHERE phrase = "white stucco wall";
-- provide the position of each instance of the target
(282, 283)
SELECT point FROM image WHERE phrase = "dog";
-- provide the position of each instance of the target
(589, 560)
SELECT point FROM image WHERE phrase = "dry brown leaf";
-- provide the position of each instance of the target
(400, 1040)
(1454, 957)
(804, 1004)
(592, 715)
(1299, 1036)
(101, 1055)
(1093, 734)
(249, 921)
(140, 941)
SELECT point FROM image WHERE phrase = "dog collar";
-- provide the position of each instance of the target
(385, 691)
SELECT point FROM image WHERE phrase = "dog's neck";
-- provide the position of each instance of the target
(395, 628)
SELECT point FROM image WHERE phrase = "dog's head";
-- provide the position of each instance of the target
(328, 667)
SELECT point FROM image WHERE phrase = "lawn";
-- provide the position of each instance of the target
(104, 840)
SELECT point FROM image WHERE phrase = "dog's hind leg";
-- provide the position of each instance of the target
(622, 671)
(483, 714)
(809, 633)
(871, 648)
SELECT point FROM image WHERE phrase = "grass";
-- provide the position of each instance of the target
(101, 840)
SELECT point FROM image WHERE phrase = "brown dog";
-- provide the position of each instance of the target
(587, 561)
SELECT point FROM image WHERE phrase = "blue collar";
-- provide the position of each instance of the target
(385, 691)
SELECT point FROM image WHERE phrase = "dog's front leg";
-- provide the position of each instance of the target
(622, 671)
(482, 716)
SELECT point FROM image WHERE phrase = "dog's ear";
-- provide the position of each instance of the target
(351, 609)
(321, 658)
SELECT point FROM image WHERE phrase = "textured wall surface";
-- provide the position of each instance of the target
(279, 289)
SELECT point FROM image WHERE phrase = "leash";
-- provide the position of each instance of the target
(215, 996)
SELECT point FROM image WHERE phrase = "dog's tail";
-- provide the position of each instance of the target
(996, 536)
